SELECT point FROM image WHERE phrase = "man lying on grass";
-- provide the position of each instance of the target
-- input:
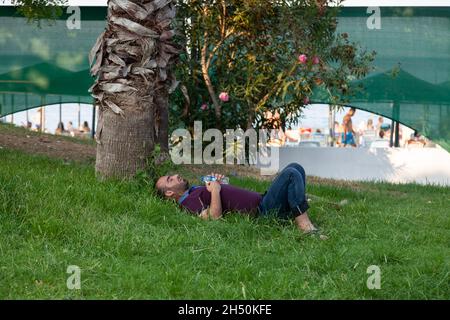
(285, 197)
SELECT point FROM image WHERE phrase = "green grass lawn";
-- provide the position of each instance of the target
(131, 245)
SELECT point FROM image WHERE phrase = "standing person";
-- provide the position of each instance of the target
(379, 125)
(348, 136)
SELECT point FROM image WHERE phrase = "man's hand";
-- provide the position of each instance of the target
(215, 209)
(213, 186)
(218, 176)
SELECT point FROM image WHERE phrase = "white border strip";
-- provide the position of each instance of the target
(346, 3)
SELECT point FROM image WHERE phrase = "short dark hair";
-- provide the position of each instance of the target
(160, 192)
(353, 109)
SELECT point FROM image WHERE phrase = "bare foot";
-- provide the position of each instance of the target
(304, 224)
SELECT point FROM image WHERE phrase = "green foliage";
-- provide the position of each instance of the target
(131, 245)
(37, 10)
(250, 49)
(253, 48)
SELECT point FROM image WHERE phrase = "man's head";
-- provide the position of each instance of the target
(352, 111)
(171, 186)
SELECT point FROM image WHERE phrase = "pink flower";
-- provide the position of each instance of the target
(224, 96)
(315, 60)
(302, 58)
(204, 107)
(306, 100)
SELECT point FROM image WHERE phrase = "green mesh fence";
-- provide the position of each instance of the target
(411, 82)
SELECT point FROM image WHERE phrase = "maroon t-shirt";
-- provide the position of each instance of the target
(233, 199)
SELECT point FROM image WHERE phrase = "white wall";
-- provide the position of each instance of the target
(397, 165)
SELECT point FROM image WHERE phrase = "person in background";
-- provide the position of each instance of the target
(362, 127)
(370, 125)
(70, 128)
(400, 134)
(407, 133)
(416, 140)
(85, 127)
(60, 130)
(37, 119)
(28, 125)
(379, 125)
(360, 133)
(84, 130)
(292, 136)
(273, 123)
(386, 127)
(337, 133)
(348, 136)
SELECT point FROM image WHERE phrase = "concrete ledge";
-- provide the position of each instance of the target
(396, 165)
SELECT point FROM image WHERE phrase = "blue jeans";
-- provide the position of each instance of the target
(286, 195)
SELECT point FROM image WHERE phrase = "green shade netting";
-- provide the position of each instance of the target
(410, 83)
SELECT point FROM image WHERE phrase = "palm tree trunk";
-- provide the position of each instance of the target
(162, 101)
(125, 145)
(131, 58)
